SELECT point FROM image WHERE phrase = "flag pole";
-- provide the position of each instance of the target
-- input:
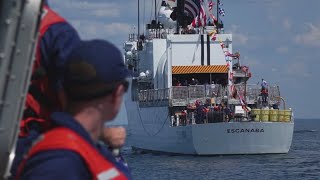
(180, 12)
(218, 2)
(138, 19)
(155, 10)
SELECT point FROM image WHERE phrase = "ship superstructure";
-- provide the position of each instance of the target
(191, 95)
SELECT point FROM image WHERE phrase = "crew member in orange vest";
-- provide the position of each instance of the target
(94, 84)
(56, 40)
(264, 94)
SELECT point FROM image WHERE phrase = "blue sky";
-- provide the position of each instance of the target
(278, 39)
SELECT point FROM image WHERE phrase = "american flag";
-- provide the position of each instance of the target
(192, 7)
(201, 19)
(211, 4)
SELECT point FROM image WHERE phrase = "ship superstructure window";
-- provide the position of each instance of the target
(199, 79)
(184, 75)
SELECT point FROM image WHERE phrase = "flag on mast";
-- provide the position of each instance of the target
(201, 19)
(192, 8)
(211, 4)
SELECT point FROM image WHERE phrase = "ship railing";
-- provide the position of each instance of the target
(158, 33)
(189, 94)
(224, 91)
(273, 94)
(252, 93)
(179, 95)
(249, 91)
(154, 95)
(181, 92)
(220, 116)
(184, 95)
(213, 90)
(143, 95)
(241, 88)
(196, 92)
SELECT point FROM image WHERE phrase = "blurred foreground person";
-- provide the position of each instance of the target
(94, 85)
(57, 38)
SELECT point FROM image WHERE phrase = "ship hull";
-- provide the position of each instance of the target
(150, 129)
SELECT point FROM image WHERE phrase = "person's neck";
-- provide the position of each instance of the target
(92, 122)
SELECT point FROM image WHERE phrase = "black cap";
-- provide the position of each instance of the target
(92, 64)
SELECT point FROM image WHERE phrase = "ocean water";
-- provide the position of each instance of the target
(302, 161)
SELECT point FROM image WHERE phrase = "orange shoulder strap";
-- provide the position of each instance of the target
(49, 17)
(63, 138)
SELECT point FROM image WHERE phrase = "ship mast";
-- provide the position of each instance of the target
(155, 10)
(138, 19)
(180, 13)
(218, 25)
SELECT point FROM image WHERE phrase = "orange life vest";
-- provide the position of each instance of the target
(39, 88)
(264, 91)
(66, 139)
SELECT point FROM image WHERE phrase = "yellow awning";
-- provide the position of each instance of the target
(199, 69)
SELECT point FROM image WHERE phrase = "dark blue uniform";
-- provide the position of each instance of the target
(55, 46)
(200, 114)
(63, 164)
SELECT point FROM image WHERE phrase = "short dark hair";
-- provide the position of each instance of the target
(82, 92)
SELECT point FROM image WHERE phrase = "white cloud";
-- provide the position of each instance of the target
(272, 3)
(89, 9)
(118, 29)
(311, 37)
(108, 13)
(273, 9)
(238, 37)
(252, 62)
(95, 29)
(307, 75)
(286, 24)
(282, 49)
(234, 27)
(271, 17)
(83, 5)
(297, 69)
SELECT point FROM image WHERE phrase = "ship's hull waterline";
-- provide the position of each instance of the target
(150, 130)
